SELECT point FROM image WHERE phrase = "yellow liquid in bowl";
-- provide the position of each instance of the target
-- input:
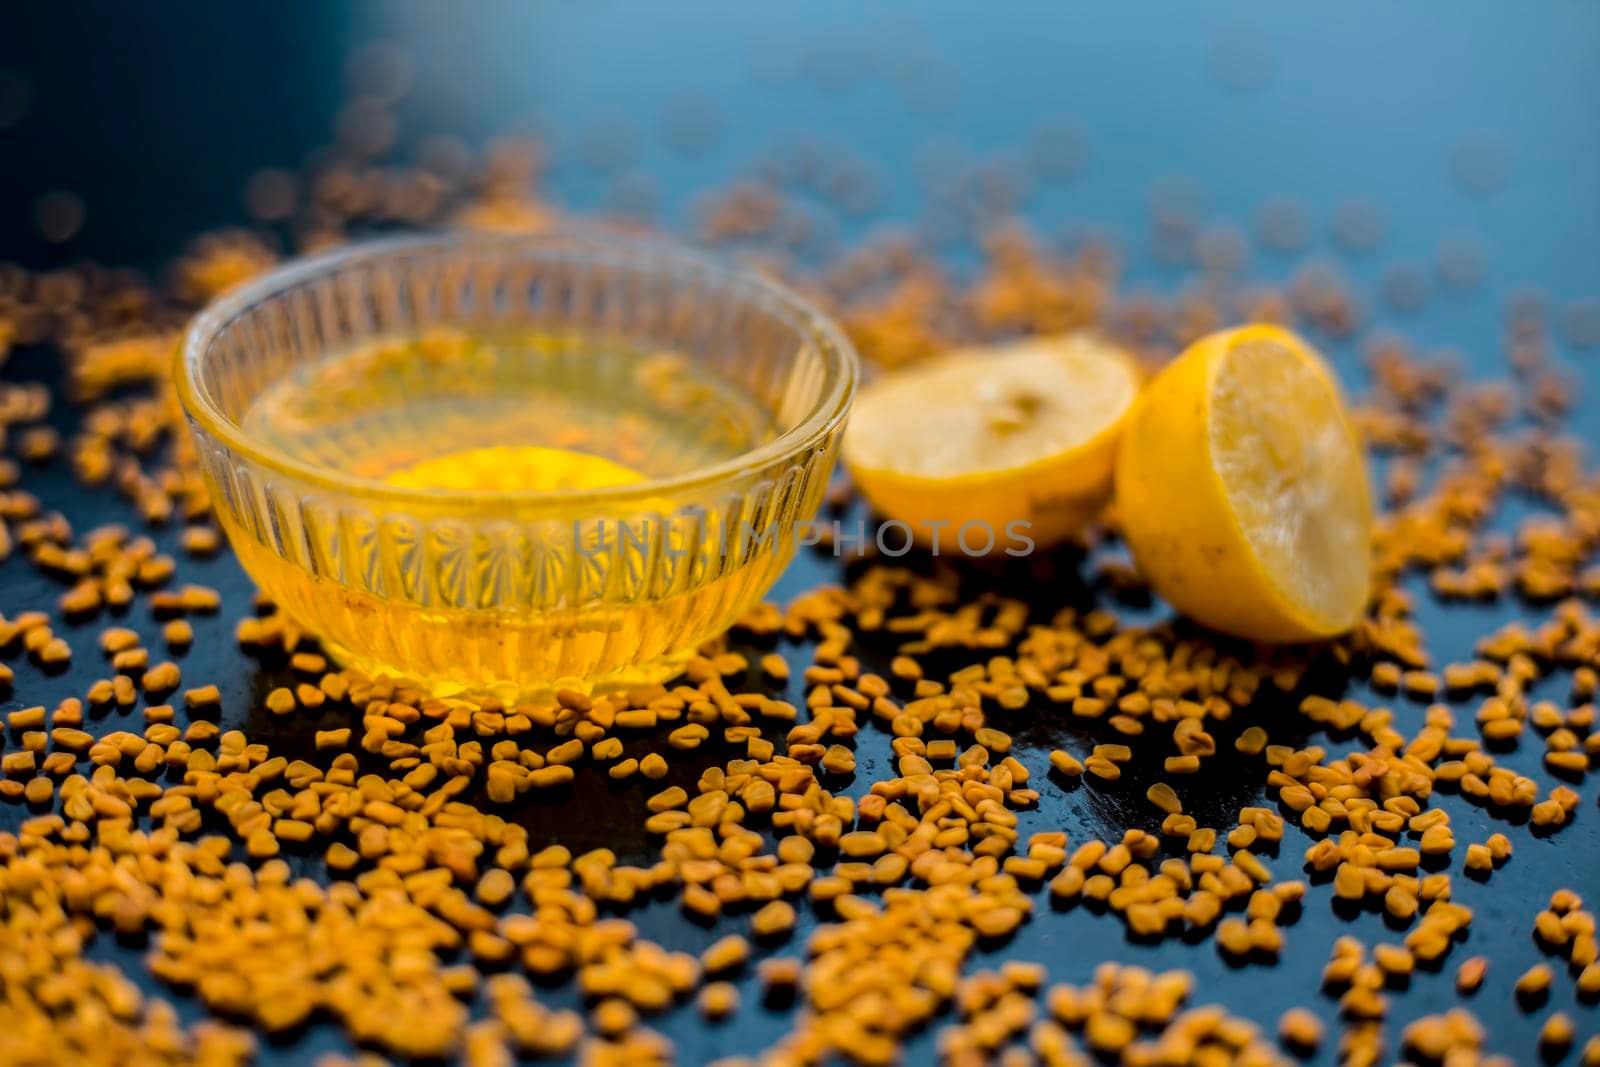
(514, 469)
(509, 606)
(399, 412)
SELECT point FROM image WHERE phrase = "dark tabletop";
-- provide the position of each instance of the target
(1470, 131)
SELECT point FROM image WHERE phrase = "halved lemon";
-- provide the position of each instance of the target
(1242, 489)
(996, 445)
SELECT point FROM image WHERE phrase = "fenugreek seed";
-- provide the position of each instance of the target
(1088, 707)
(1020, 974)
(1546, 813)
(687, 737)
(496, 887)
(1570, 762)
(326, 739)
(1534, 983)
(200, 540)
(773, 919)
(653, 766)
(725, 954)
(1589, 981)
(1469, 976)
(114, 639)
(993, 740)
(1548, 927)
(178, 633)
(860, 844)
(200, 598)
(779, 973)
(1557, 1034)
(1068, 883)
(18, 764)
(566, 752)
(262, 844)
(1501, 729)
(205, 696)
(671, 797)
(1233, 937)
(718, 1000)
(1300, 1030)
(294, 830)
(1163, 797)
(839, 760)
(1397, 859)
(997, 922)
(162, 678)
(904, 667)
(1108, 1033)
(131, 661)
(1400, 902)
(548, 777)
(1065, 763)
(1252, 866)
(573, 700)
(26, 718)
(638, 719)
(1251, 741)
(1349, 883)
(1393, 959)
(70, 739)
(1102, 768)
(1436, 841)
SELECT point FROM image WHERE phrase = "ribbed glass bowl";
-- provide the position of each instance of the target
(516, 592)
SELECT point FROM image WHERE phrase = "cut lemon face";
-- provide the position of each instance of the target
(1242, 489)
(1014, 441)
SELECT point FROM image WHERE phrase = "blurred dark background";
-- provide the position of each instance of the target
(1465, 132)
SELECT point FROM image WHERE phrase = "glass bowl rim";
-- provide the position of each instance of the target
(823, 419)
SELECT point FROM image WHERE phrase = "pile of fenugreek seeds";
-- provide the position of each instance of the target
(1011, 814)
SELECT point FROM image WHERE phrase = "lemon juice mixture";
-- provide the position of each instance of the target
(495, 415)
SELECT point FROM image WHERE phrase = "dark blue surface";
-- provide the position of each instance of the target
(157, 113)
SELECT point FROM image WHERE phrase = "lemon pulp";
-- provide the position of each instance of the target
(1294, 475)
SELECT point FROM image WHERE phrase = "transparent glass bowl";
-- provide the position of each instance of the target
(512, 592)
